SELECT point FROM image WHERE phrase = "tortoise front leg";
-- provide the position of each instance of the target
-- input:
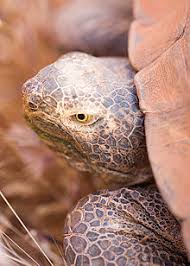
(123, 227)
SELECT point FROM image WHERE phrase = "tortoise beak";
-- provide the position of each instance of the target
(31, 99)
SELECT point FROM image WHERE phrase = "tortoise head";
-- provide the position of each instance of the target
(86, 109)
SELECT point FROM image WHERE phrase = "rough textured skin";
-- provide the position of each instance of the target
(163, 88)
(113, 142)
(123, 227)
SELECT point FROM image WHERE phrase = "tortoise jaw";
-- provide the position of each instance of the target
(62, 144)
(59, 141)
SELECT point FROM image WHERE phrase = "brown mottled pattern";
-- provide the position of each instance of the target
(121, 227)
(113, 144)
(130, 227)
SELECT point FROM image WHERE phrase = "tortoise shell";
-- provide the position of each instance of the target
(159, 52)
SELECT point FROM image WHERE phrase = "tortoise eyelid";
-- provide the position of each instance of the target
(84, 119)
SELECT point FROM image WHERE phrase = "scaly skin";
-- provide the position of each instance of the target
(123, 227)
(137, 226)
(113, 143)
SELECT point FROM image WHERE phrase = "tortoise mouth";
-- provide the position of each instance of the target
(62, 143)
(57, 140)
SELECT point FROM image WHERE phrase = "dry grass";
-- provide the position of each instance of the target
(40, 188)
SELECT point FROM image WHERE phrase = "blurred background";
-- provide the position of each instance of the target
(34, 33)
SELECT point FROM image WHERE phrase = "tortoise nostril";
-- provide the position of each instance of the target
(32, 106)
(33, 102)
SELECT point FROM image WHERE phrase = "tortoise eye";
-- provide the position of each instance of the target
(84, 118)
